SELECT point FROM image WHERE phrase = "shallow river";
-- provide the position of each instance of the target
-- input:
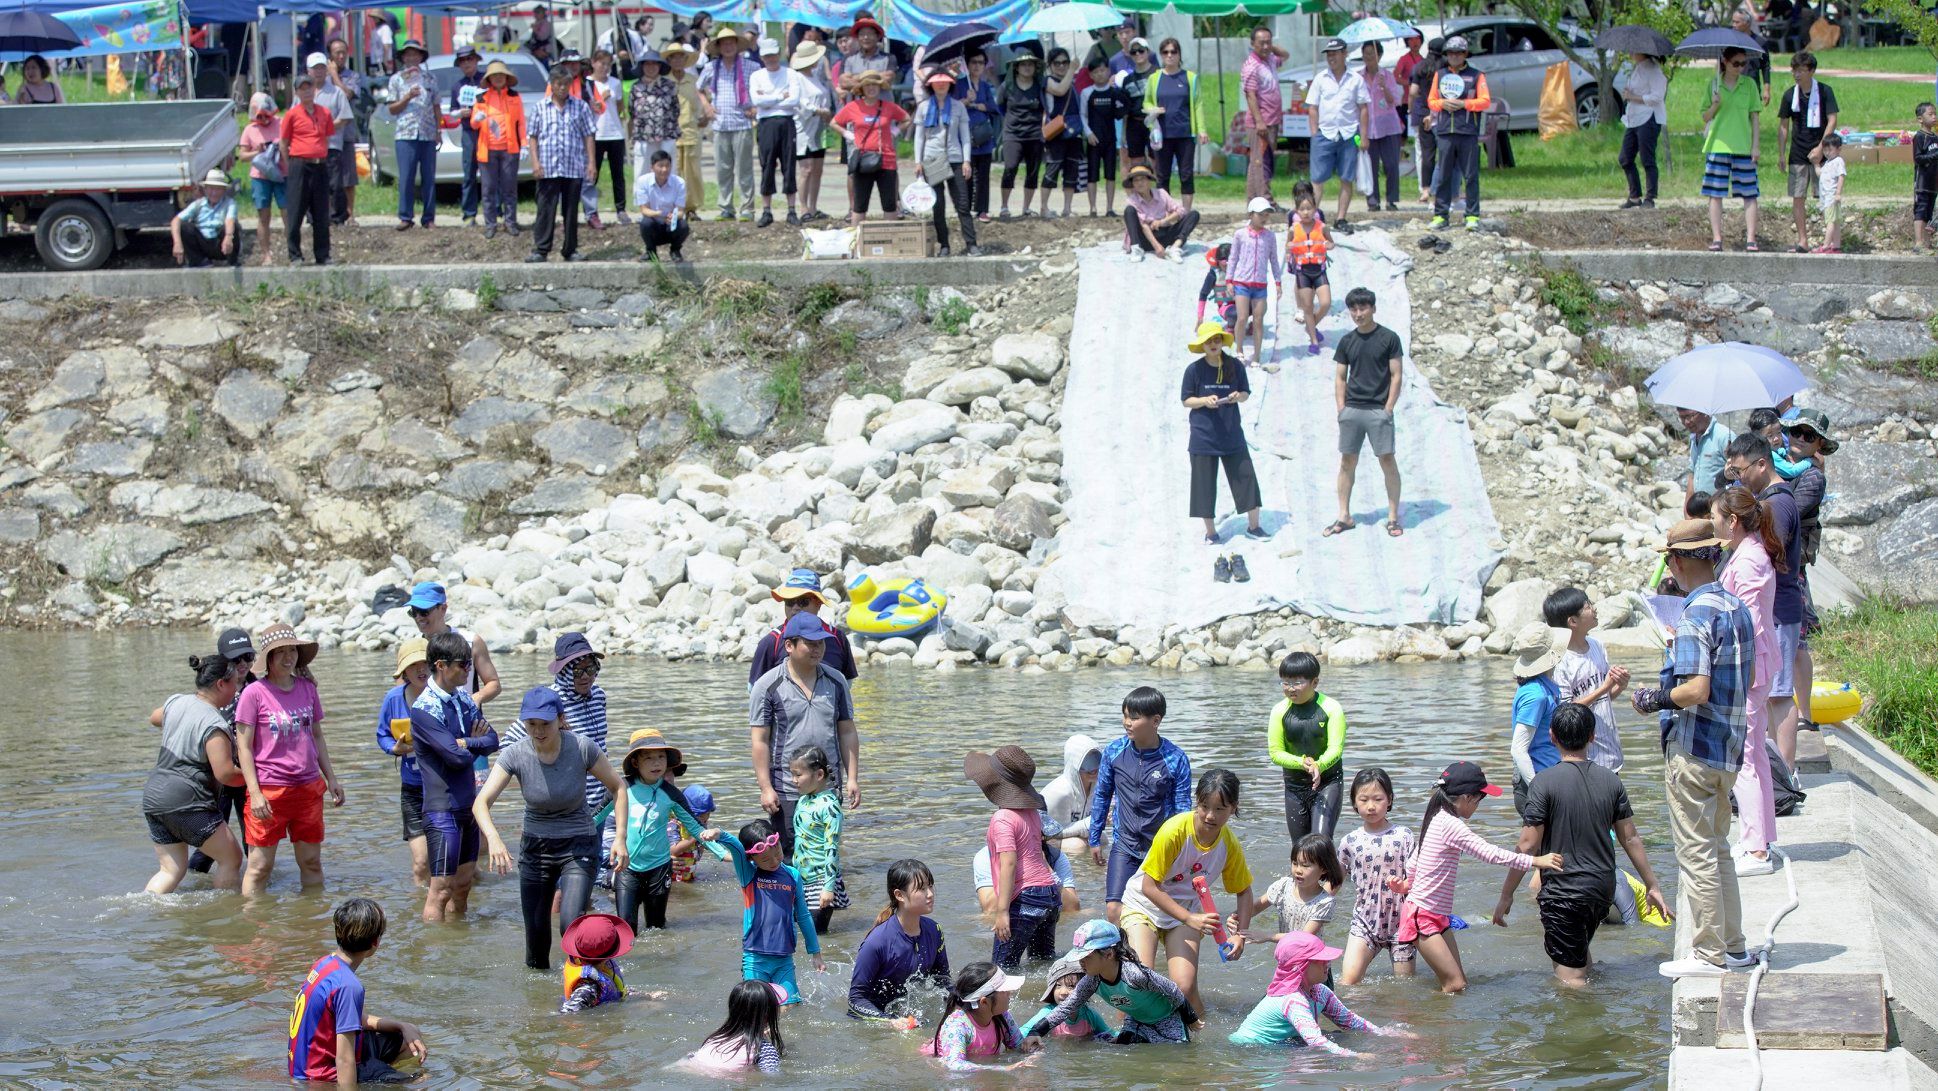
(104, 987)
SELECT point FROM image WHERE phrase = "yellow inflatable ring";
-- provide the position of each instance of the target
(1834, 702)
(898, 607)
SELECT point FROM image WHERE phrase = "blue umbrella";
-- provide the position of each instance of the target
(958, 40)
(1374, 29)
(1722, 378)
(23, 31)
(1708, 43)
(1071, 17)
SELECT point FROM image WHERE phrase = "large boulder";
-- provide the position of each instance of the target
(1890, 342)
(900, 534)
(737, 400)
(1516, 605)
(913, 424)
(1035, 356)
(249, 402)
(767, 502)
(1908, 551)
(1877, 480)
(982, 485)
(591, 445)
(966, 386)
(485, 367)
(44, 433)
(77, 379)
(1019, 521)
(322, 424)
(848, 417)
(112, 553)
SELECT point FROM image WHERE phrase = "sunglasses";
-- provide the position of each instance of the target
(1739, 64)
(1168, 52)
(1139, 52)
(587, 666)
(418, 611)
(465, 663)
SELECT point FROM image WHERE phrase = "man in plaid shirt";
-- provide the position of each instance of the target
(1703, 702)
(561, 139)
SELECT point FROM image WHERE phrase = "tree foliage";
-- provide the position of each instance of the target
(1917, 22)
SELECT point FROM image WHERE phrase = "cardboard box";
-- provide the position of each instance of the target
(1863, 154)
(1893, 153)
(895, 239)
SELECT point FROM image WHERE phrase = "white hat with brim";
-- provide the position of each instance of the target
(1000, 982)
(216, 178)
(1537, 648)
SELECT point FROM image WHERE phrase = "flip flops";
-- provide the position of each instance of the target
(1337, 526)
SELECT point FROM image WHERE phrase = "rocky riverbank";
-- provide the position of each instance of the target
(644, 464)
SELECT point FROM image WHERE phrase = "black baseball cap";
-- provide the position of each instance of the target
(1464, 778)
(234, 644)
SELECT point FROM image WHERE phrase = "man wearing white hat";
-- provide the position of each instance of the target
(330, 96)
(776, 91)
(212, 226)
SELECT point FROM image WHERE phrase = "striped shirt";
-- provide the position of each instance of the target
(1716, 638)
(1437, 862)
(1254, 253)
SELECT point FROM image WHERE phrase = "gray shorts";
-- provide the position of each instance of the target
(343, 167)
(1357, 425)
(1803, 180)
(1783, 683)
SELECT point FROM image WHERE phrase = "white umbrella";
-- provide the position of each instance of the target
(1722, 378)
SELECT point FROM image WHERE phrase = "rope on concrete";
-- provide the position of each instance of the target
(1762, 966)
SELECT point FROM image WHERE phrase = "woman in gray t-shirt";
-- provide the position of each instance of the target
(559, 851)
(198, 754)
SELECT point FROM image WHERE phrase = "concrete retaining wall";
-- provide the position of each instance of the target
(1862, 274)
(359, 280)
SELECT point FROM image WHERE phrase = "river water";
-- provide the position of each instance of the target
(105, 986)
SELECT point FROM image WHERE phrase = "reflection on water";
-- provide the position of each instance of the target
(105, 986)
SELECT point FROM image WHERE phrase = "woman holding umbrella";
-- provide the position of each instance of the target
(1731, 147)
(1645, 98)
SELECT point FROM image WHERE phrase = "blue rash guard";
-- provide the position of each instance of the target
(438, 720)
(1145, 787)
(396, 708)
(774, 907)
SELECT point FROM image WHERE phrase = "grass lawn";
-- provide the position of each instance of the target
(1888, 651)
(1884, 58)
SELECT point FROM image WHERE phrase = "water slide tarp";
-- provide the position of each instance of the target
(1130, 552)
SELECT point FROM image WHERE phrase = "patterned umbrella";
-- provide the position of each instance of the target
(1374, 29)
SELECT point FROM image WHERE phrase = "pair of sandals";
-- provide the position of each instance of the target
(1436, 244)
(1341, 526)
(1716, 247)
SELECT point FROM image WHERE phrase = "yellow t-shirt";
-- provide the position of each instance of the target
(1176, 858)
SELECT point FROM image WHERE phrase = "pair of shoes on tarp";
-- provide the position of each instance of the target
(1231, 569)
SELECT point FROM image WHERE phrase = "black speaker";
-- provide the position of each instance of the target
(212, 73)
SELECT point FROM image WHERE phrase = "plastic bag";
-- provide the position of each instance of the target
(1557, 102)
(918, 197)
(1364, 172)
(822, 244)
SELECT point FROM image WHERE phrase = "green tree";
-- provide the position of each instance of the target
(1595, 16)
(1916, 21)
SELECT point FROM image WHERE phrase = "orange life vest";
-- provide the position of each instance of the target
(1306, 248)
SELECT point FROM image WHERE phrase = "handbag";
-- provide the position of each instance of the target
(1054, 126)
(866, 162)
(268, 162)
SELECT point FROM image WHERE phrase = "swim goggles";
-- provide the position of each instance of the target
(772, 840)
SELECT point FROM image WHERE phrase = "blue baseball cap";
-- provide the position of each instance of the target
(426, 595)
(698, 800)
(805, 627)
(801, 581)
(541, 703)
(1095, 935)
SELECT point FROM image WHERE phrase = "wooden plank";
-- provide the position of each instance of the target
(1806, 1011)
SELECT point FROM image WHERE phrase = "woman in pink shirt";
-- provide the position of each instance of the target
(1028, 898)
(279, 741)
(264, 131)
(1426, 918)
(1749, 573)
(1385, 128)
(1154, 223)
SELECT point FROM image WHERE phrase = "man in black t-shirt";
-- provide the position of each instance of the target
(1366, 385)
(1807, 113)
(1572, 805)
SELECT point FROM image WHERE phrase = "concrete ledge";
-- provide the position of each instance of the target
(1852, 272)
(361, 280)
(1716, 1069)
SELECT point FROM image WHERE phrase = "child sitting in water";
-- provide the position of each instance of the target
(817, 835)
(592, 946)
(1426, 919)
(977, 1022)
(686, 850)
(1155, 1010)
(1065, 973)
(1298, 993)
(775, 907)
(904, 946)
(1303, 899)
(1376, 856)
(751, 1036)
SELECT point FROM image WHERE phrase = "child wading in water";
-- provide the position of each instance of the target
(1376, 857)
(592, 946)
(1306, 737)
(653, 807)
(1155, 1010)
(775, 907)
(817, 835)
(686, 850)
(1426, 919)
(976, 1021)
(751, 1036)
(904, 946)
(1297, 996)
(1303, 899)
(1162, 904)
(1065, 973)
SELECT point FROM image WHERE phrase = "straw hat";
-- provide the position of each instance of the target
(282, 636)
(679, 55)
(500, 68)
(807, 55)
(650, 738)
(215, 177)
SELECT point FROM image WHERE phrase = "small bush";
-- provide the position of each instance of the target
(819, 299)
(487, 293)
(1574, 296)
(954, 316)
(1886, 649)
(785, 385)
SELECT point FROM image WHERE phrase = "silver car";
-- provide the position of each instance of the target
(1513, 53)
(450, 149)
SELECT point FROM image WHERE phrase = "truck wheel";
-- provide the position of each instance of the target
(74, 236)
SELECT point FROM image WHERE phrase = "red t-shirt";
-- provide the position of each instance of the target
(874, 129)
(309, 131)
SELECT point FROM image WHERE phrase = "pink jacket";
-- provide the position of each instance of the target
(1437, 861)
(1749, 575)
(1254, 254)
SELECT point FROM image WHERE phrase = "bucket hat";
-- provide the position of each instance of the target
(410, 653)
(500, 68)
(1294, 952)
(465, 51)
(1690, 534)
(1209, 332)
(595, 936)
(679, 55)
(568, 647)
(799, 582)
(650, 738)
(282, 636)
(216, 178)
(1071, 963)
(807, 55)
(1537, 648)
(1004, 777)
(410, 44)
(1815, 422)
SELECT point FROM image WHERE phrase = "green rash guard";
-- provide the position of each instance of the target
(1316, 730)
